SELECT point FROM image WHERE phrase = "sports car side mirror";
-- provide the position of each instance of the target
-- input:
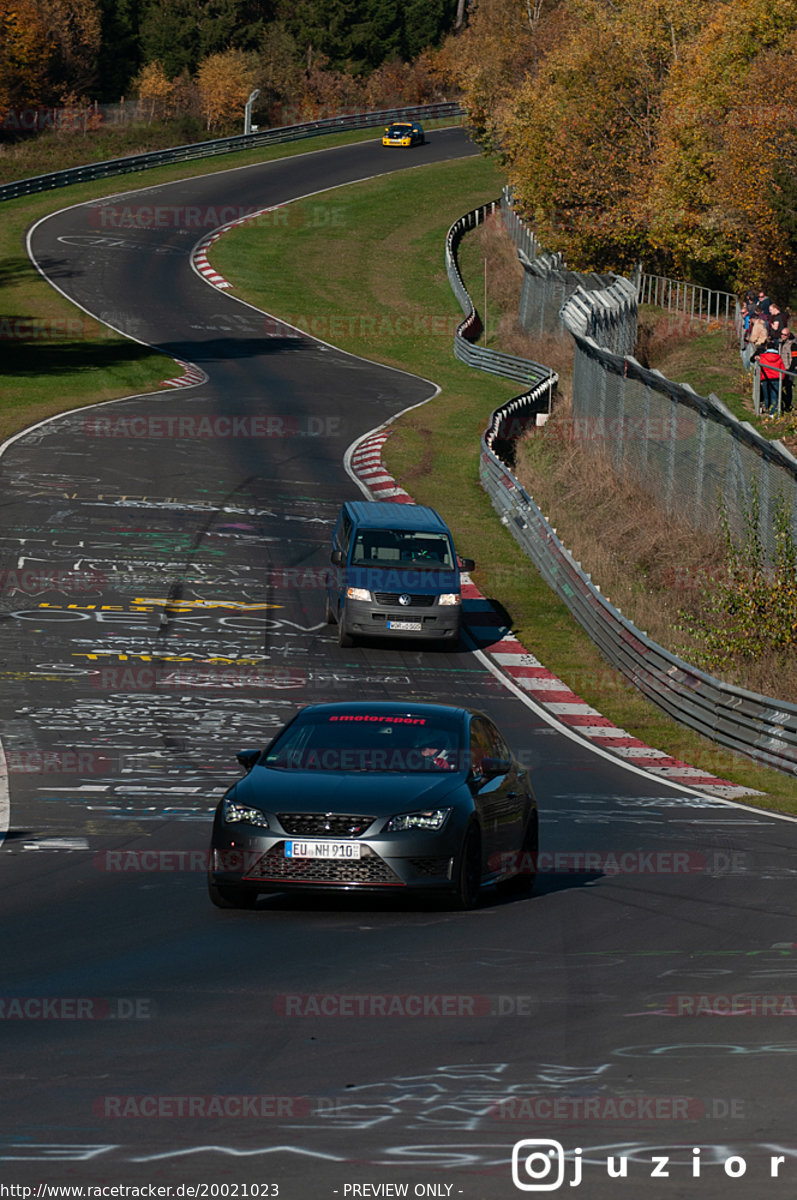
(248, 758)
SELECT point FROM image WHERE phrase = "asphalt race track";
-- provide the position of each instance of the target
(328, 1048)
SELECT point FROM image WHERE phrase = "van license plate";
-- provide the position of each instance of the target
(409, 626)
(334, 850)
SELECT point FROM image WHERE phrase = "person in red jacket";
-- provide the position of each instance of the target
(772, 368)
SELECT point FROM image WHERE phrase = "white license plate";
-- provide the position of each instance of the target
(332, 850)
(410, 626)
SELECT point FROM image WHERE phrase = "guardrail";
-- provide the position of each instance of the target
(250, 141)
(761, 727)
(691, 299)
(686, 449)
(541, 380)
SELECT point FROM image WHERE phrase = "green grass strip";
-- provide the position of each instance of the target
(366, 272)
(53, 357)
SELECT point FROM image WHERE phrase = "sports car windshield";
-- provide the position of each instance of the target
(359, 741)
(399, 131)
(386, 548)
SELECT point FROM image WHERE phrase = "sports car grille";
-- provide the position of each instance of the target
(312, 824)
(370, 868)
(392, 600)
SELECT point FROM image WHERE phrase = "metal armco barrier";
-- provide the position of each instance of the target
(542, 380)
(266, 137)
(761, 727)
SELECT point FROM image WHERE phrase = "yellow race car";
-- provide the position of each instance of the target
(403, 133)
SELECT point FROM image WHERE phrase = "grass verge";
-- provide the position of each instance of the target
(377, 287)
(54, 356)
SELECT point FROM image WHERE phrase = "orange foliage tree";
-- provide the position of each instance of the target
(580, 137)
(726, 132)
(154, 89)
(225, 81)
(488, 59)
(25, 55)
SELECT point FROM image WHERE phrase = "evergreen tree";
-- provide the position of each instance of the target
(119, 56)
(180, 33)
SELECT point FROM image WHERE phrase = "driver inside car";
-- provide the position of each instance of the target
(436, 752)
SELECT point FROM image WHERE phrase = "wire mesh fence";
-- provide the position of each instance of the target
(689, 451)
(693, 453)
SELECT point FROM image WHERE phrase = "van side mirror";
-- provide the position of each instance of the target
(337, 558)
(467, 564)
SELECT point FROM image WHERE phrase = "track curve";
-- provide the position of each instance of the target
(182, 561)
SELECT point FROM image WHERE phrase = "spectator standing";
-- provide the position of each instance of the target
(788, 352)
(772, 369)
(759, 335)
(745, 314)
(763, 300)
(775, 320)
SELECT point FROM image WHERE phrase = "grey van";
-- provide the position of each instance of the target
(395, 574)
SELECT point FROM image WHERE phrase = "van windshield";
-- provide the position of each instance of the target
(391, 549)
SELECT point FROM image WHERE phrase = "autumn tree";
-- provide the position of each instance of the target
(397, 83)
(73, 30)
(25, 55)
(579, 137)
(487, 61)
(326, 91)
(225, 82)
(725, 147)
(154, 90)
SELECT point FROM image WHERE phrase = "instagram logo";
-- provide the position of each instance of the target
(534, 1161)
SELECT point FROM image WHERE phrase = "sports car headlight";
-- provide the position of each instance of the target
(449, 598)
(358, 594)
(235, 813)
(432, 819)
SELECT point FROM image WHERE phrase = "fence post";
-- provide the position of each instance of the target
(671, 454)
(701, 469)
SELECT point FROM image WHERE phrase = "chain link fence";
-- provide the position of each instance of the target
(547, 283)
(687, 450)
(693, 451)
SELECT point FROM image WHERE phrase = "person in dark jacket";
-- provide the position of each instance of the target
(776, 321)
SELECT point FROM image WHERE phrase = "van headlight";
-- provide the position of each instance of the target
(358, 594)
(449, 598)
